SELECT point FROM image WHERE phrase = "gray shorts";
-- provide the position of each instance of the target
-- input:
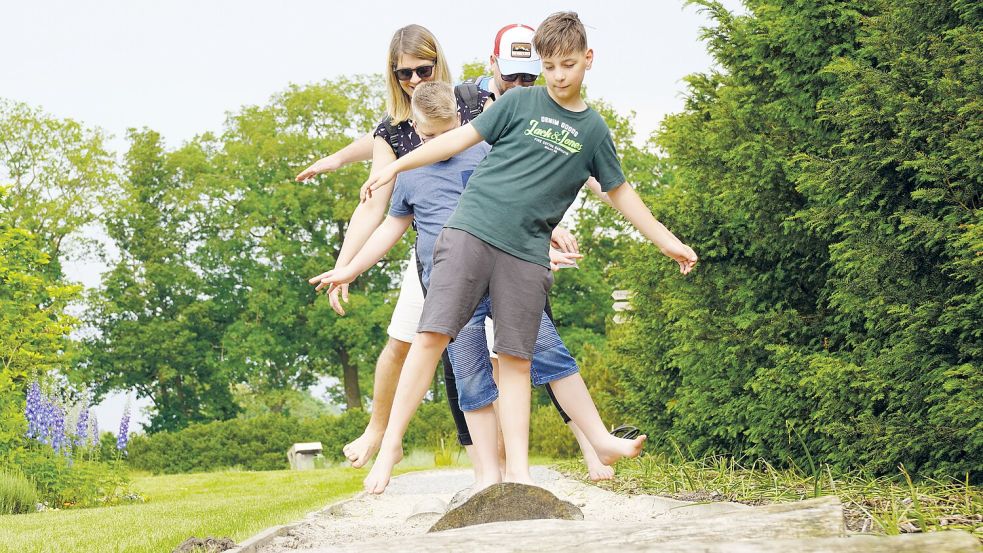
(465, 268)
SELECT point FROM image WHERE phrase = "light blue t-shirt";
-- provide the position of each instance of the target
(430, 194)
(484, 83)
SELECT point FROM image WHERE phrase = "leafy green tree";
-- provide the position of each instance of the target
(155, 330)
(474, 69)
(56, 171)
(276, 233)
(34, 326)
(828, 175)
(52, 173)
(217, 242)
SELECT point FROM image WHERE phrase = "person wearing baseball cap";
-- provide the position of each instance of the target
(514, 62)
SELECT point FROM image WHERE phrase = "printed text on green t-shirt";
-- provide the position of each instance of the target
(552, 138)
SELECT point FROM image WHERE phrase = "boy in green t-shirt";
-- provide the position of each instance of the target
(545, 142)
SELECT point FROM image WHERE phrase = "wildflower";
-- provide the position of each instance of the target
(124, 428)
(95, 430)
(56, 430)
(82, 427)
(46, 420)
(34, 411)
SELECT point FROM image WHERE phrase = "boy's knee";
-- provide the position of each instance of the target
(508, 361)
(432, 340)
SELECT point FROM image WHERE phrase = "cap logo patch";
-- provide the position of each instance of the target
(521, 50)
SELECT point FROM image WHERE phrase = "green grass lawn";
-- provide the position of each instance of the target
(235, 504)
(220, 504)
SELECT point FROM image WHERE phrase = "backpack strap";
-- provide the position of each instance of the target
(469, 92)
(387, 122)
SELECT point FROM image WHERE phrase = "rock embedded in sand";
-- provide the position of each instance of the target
(205, 545)
(506, 502)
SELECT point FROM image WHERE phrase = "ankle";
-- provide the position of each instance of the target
(373, 430)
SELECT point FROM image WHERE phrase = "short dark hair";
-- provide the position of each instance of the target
(561, 33)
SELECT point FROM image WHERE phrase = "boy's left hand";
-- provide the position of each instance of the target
(335, 278)
(684, 255)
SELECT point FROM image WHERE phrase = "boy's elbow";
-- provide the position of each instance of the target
(618, 193)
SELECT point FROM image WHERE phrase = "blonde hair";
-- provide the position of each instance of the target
(434, 101)
(561, 33)
(416, 41)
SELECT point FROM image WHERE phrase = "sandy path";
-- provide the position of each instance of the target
(391, 515)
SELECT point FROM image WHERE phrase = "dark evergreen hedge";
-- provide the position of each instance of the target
(830, 177)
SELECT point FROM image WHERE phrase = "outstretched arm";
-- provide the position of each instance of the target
(365, 219)
(368, 215)
(626, 200)
(381, 241)
(444, 146)
(358, 150)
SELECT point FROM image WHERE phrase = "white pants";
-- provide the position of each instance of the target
(409, 308)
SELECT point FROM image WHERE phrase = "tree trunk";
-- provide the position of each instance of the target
(353, 396)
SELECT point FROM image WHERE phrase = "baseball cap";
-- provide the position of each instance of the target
(513, 48)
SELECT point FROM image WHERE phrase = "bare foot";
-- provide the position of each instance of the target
(595, 468)
(600, 472)
(361, 449)
(519, 478)
(481, 484)
(615, 448)
(382, 470)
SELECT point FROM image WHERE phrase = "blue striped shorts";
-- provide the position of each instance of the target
(472, 368)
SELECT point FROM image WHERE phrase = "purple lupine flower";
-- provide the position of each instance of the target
(124, 428)
(46, 420)
(95, 430)
(82, 428)
(56, 430)
(34, 411)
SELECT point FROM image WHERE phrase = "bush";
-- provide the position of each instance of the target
(255, 443)
(17, 494)
(433, 422)
(62, 482)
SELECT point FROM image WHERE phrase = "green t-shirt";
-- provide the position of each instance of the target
(540, 158)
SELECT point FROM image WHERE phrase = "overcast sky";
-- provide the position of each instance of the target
(177, 66)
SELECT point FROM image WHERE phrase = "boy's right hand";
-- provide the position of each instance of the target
(377, 181)
(323, 165)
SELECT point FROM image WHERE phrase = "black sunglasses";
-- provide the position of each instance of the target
(405, 74)
(524, 77)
